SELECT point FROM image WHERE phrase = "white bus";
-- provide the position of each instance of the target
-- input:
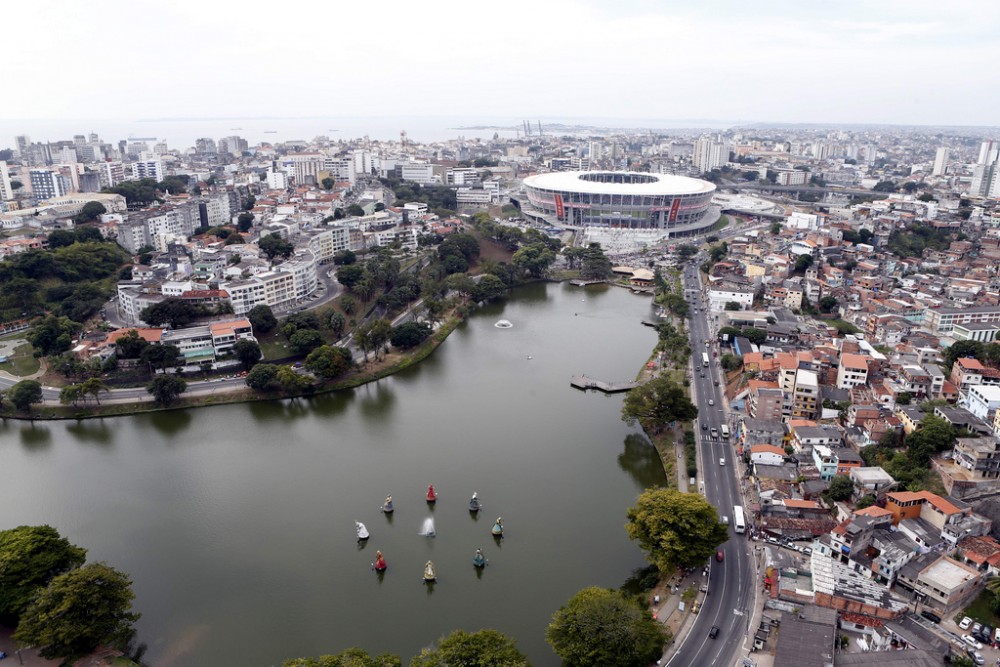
(704, 359)
(725, 430)
(739, 523)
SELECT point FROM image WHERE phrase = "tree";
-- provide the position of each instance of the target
(733, 305)
(730, 362)
(409, 335)
(487, 287)
(70, 394)
(166, 388)
(16, 185)
(263, 377)
(754, 335)
(328, 361)
(337, 323)
(961, 349)
(935, 435)
(161, 357)
(53, 335)
(599, 627)
(290, 381)
(345, 257)
(535, 258)
(328, 183)
(244, 222)
(675, 529)
(130, 345)
(485, 648)
(352, 657)
(355, 211)
(803, 262)
(827, 304)
(92, 210)
(885, 186)
(350, 275)
(22, 293)
(24, 394)
(904, 398)
(657, 403)
(273, 246)
(175, 312)
(841, 488)
(30, 556)
(732, 332)
(304, 341)
(93, 387)
(78, 611)
(348, 304)
(962, 661)
(262, 318)
(248, 352)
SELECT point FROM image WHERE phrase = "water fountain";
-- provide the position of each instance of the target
(427, 528)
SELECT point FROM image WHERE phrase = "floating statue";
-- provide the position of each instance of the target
(361, 531)
(429, 574)
(497, 529)
(474, 504)
(387, 505)
(479, 560)
(431, 496)
(379, 564)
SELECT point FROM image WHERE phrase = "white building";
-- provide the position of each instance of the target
(46, 184)
(981, 400)
(6, 192)
(940, 162)
(148, 169)
(276, 180)
(709, 154)
(718, 298)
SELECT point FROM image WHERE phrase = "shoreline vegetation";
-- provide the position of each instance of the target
(373, 371)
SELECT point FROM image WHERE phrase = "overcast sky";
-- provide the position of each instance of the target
(880, 61)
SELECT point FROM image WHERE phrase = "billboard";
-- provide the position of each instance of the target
(560, 210)
(674, 207)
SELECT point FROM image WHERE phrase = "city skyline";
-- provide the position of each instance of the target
(886, 63)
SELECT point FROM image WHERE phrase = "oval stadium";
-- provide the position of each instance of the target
(621, 200)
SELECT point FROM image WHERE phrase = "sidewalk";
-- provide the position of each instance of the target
(668, 611)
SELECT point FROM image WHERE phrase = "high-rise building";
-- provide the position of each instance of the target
(22, 141)
(112, 173)
(148, 169)
(710, 154)
(6, 192)
(940, 162)
(46, 184)
(233, 145)
(206, 146)
(985, 148)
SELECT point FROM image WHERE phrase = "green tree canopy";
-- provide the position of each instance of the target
(263, 377)
(304, 341)
(30, 556)
(273, 246)
(352, 657)
(535, 258)
(350, 275)
(657, 403)
(604, 628)
(161, 357)
(328, 361)
(166, 388)
(53, 335)
(78, 611)
(594, 264)
(24, 394)
(262, 319)
(841, 488)
(409, 335)
(248, 352)
(675, 529)
(488, 287)
(175, 312)
(485, 648)
(754, 335)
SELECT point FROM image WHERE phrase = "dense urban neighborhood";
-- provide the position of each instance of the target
(828, 300)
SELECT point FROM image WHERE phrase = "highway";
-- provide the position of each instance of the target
(731, 583)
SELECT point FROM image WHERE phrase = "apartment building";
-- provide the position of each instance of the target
(943, 320)
(805, 395)
(853, 371)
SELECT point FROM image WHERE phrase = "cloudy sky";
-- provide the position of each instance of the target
(879, 61)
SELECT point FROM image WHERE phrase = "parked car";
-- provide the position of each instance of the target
(971, 641)
(966, 622)
(976, 656)
(977, 627)
(931, 616)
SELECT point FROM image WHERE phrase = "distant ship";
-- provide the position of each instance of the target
(235, 128)
(270, 131)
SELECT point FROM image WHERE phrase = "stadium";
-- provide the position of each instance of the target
(621, 200)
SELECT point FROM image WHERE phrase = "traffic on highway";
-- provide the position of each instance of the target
(720, 633)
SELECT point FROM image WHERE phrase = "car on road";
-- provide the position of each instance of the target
(716, 383)
(719, 556)
(714, 632)
(966, 622)
(971, 641)
(722, 462)
(711, 401)
(725, 520)
(931, 616)
(704, 426)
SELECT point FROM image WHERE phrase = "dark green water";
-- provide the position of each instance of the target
(237, 522)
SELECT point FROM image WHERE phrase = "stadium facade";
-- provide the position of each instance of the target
(621, 200)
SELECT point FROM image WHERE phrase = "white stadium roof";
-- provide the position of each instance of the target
(656, 184)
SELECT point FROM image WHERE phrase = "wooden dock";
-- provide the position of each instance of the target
(583, 382)
(583, 283)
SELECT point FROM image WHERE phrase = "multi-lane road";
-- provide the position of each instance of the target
(731, 582)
